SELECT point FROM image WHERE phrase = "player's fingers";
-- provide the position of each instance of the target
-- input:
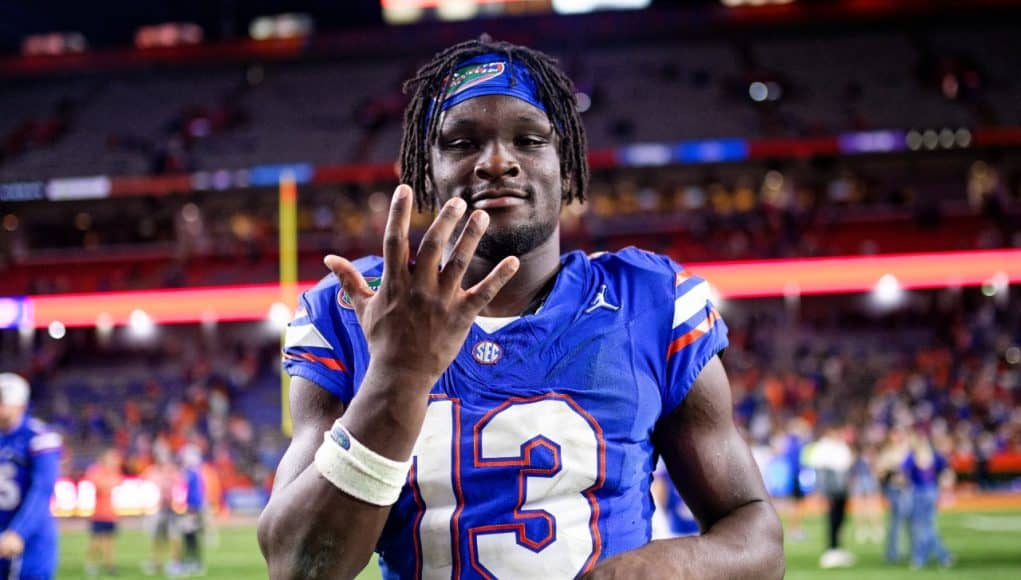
(352, 282)
(461, 256)
(430, 251)
(481, 294)
(395, 237)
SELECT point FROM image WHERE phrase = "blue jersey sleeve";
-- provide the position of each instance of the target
(697, 334)
(44, 451)
(324, 342)
(688, 330)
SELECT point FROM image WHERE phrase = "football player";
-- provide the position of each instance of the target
(486, 407)
(29, 463)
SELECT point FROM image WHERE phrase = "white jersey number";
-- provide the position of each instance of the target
(10, 493)
(562, 495)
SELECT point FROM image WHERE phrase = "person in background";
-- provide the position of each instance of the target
(868, 516)
(29, 464)
(105, 474)
(214, 504)
(165, 475)
(926, 471)
(673, 517)
(832, 458)
(797, 437)
(191, 521)
(895, 490)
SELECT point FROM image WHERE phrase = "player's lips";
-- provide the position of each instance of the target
(497, 198)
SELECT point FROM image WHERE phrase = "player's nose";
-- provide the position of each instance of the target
(496, 162)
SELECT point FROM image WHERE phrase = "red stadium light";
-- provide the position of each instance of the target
(733, 280)
(852, 274)
(168, 35)
(54, 43)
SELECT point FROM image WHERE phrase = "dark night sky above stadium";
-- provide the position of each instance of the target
(113, 23)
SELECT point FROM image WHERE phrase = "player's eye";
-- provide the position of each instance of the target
(531, 141)
(457, 144)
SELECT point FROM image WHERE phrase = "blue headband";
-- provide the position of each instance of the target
(488, 74)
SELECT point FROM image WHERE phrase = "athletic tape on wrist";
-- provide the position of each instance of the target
(359, 471)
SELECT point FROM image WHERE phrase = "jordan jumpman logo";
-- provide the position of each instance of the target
(600, 301)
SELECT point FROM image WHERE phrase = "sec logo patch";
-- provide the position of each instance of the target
(487, 352)
(345, 301)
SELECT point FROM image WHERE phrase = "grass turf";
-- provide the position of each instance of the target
(987, 546)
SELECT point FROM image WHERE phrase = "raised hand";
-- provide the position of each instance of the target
(418, 319)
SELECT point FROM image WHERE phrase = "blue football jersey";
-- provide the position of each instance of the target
(535, 457)
(29, 463)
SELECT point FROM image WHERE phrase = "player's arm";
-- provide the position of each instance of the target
(34, 510)
(311, 529)
(414, 326)
(713, 469)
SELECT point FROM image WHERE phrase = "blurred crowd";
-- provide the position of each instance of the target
(878, 414)
(159, 399)
(949, 365)
(747, 213)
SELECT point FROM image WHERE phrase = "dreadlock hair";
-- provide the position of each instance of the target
(556, 92)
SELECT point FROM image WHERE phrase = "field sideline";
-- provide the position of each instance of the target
(987, 545)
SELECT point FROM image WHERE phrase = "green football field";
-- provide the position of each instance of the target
(986, 544)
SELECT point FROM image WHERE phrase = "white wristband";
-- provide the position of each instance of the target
(359, 471)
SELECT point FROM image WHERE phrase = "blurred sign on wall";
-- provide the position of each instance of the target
(410, 11)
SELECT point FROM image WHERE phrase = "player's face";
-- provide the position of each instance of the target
(499, 154)
(10, 416)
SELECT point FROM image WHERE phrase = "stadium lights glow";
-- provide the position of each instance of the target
(765, 91)
(168, 34)
(582, 102)
(716, 298)
(931, 139)
(888, 292)
(279, 315)
(757, 91)
(996, 285)
(407, 11)
(141, 325)
(281, 26)
(132, 497)
(26, 330)
(208, 319)
(582, 6)
(457, 10)
(733, 279)
(1012, 355)
(54, 43)
(104, 326)
(57, 330)
(792, 295)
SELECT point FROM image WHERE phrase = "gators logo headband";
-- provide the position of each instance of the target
(488, 74)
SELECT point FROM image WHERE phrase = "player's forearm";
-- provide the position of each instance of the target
(747, 543)
(311, 529)
(35, 505)
(387, 413)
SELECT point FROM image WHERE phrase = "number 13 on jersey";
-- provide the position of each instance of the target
(540, 520)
